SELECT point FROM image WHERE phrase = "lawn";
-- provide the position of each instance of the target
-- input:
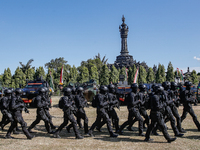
(130, 139)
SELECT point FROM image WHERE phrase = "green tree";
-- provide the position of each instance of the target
(56, 64)
(150, 75)
(104, 76)
(40, 73)
(27, 66)
(114, 75)
(19, 78)
(29, 73)
(7, 78)
(73, 74)
(160, 74)
(83, 75)
(170, 73)
(94, 74)
(131, 74)
(194, 77)
(142, 75)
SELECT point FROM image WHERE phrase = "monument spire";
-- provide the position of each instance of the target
(123, 29)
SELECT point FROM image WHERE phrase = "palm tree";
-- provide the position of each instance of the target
(104, 61)
(27, 66)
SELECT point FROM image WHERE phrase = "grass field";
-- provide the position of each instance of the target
(130, 140)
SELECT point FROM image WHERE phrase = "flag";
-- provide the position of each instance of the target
(61, 76)
(51, 82)
(136, 75)
(181, 75)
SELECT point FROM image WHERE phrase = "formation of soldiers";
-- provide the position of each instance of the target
(162, 101)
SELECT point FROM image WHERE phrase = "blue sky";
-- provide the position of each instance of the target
(159, 31)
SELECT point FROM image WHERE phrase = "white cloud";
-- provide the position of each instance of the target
(196, 58)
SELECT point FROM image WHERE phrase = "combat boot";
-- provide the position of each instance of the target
(98, 129)
(90, 133)
(56, 135)
(179, 135)
(79, 136)
(171, 140)
(130, 129)
(148, 139)
(30, 137)
(9, 137)
(141, 134)
(113, 135)
(68, 129)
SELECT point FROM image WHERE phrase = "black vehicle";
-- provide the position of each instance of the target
(31, 91)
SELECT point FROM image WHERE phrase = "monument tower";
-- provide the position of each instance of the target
(124, 59)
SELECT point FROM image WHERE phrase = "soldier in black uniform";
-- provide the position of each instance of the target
(143, 104)
(173, 94)
(113, 102)
(41, 115)
(156, 115)
(167, 112)
(102, 103)
(68, 113)
(17, 105)
(133, 102)
(46, 107)
(187, 99)
(5, 108)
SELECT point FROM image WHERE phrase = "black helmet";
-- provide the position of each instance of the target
(153, 87)
(134, 87)
(7, 91)
(173, 85)
(46, 89)
(111, 88)
(12, 89)
(158, 89)
(103, 89)
(166, 85)
(74, 91)
(79, 89)
(142, 87)
(18, 91)
(188, 83)
(42, 90)
(67, 91)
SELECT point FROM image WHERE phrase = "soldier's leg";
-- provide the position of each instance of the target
(128, 122)
(172, 121)
(178, 118)
(38, 119)
(194, 117)
(116, 119)
(23, 124)
(84, 117)
(65, 122)
(50, 119)
(143, 112)
(13, 125)
(184, 114)
(138, 117)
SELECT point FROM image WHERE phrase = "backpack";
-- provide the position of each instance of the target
(94, 101)
(61, 103)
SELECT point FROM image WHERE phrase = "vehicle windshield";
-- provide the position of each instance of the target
(34, 85)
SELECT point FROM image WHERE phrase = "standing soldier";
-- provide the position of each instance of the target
(41, 115)
(66, 104)
(102, 103)
(187, 99)
(17, 105)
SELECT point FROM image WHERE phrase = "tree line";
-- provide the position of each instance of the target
(95, 68)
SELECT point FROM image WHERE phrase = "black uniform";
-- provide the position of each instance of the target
(80, 102)
(17, 105)
(113, 102)
(172, 94)
(187, 99)
(5, 108)
(68, 114)
(102, 103)
(41, 115)
(157, 117)
(132, 105)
